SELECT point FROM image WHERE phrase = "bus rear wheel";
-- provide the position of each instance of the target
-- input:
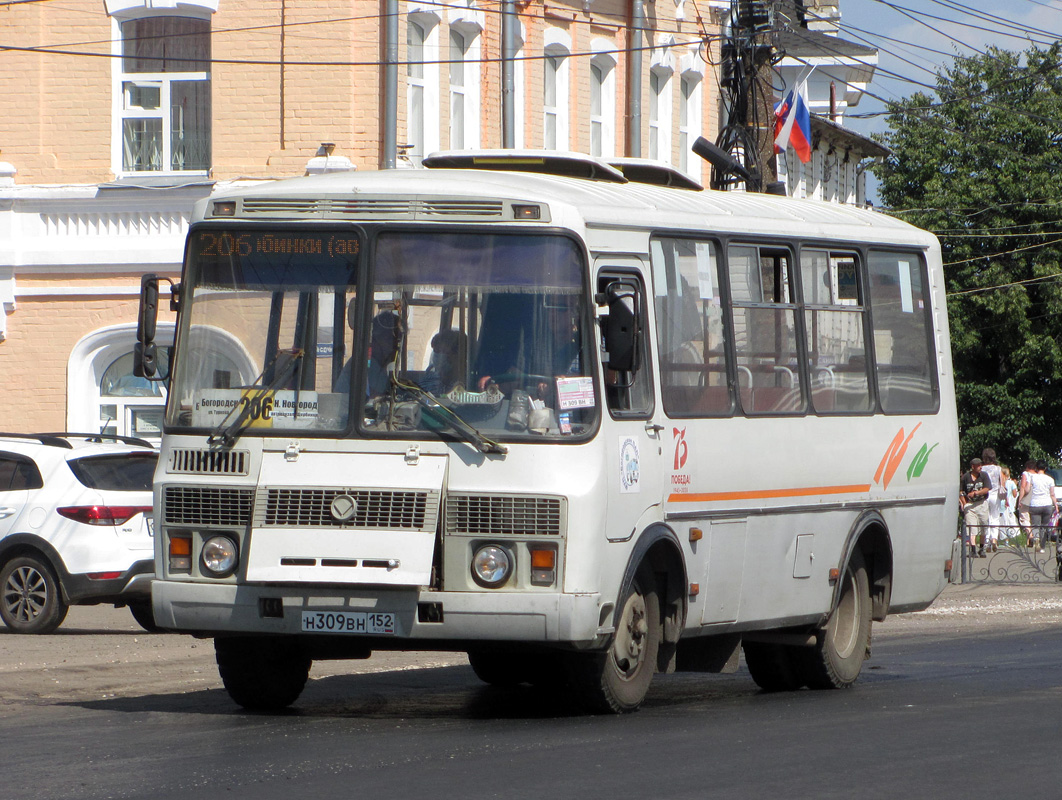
(841, 646)
(261, 674)
(617, 680)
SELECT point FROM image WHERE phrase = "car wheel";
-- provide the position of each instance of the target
(31, 599)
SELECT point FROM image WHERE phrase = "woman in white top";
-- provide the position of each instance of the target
(995, 497)
(1042, 502)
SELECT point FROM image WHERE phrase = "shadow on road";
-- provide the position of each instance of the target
(444, 693)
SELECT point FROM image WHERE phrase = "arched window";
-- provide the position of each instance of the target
(690, 116)
(466, 25)
(132, 406)
(602, 104)
(555, 90)
(422, 81)
(660, 100)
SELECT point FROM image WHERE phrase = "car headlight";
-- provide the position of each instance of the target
(219, 557)
(492, 565)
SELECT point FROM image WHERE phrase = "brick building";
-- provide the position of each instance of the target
(120, 114)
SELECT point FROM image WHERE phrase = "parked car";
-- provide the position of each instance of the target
(76, 527)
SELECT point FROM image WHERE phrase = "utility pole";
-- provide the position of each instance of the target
(747, 52)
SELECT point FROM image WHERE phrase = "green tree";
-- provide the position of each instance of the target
(981, 166)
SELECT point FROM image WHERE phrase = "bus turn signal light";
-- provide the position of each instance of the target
(180, 554)
(543, 566)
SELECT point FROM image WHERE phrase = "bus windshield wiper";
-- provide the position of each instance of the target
(451, 419)
(227, 431)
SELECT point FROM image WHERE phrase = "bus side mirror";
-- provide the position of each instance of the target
(621, 326)
(145, 363)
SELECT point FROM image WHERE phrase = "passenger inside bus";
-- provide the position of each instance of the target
(530, 340)
(447, 365)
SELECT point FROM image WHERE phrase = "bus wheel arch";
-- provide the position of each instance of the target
(658, 551)
(648, 618)
(870, 535)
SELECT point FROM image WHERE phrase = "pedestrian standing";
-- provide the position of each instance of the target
(1008, 518)
(1042, 503)
(1023, 502)
(975, 486)
(995, 497)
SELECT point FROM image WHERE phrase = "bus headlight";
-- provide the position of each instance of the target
(492, 565)
(219, 557)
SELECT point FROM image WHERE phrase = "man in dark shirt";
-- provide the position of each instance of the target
(975, 486)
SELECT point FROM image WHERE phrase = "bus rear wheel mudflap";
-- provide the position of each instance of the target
(616, 681)
(261, 673)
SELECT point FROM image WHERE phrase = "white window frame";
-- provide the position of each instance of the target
(469, 25)
(605, 119)
(557, 45)
(427, 23)
(125, 11)
(691, 111)
(661, 70)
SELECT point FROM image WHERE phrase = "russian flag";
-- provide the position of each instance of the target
(792, 124)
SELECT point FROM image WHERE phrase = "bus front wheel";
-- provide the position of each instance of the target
(834, 662)
(617, 680)
(261, 674)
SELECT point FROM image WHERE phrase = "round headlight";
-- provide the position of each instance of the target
(219, 556)
(492, 565)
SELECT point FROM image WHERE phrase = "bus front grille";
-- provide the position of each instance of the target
(373, 509)
(192, 461)
(200, 505)
(493, 515)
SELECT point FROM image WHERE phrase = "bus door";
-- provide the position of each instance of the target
(633, 435)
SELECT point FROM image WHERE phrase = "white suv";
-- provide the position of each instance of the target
(75, 527)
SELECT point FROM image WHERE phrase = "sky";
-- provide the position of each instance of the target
(915, 38)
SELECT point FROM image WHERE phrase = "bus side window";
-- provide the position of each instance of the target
(904, 359)
(629, 393)
(691, 333)
(765, 342)
(834, 316)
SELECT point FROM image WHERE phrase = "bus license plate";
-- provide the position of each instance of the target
(370, 622)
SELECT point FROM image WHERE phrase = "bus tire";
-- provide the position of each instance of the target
(773, 667)
(261, 674)
(499, 668)
(617, 680)
(836, 658)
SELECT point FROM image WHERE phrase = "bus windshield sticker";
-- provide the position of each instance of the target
(575, 393)
(906, 296)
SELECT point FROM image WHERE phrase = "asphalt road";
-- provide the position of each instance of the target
(961, 701)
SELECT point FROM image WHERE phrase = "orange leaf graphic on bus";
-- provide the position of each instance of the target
(890, 462)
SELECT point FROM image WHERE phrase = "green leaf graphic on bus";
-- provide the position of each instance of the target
(918, 463)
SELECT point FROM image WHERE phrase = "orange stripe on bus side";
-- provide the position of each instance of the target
(767, 494)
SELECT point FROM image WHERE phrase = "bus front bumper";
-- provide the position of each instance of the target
(221, 609)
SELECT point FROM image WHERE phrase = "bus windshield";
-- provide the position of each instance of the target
(264, 331)
(467, 335)
(489, 328)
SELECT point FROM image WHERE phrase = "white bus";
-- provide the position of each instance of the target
(583, 422)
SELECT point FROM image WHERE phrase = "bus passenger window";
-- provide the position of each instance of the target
(765, 341)
(834, 317)
(903, 360)
(691, 334)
